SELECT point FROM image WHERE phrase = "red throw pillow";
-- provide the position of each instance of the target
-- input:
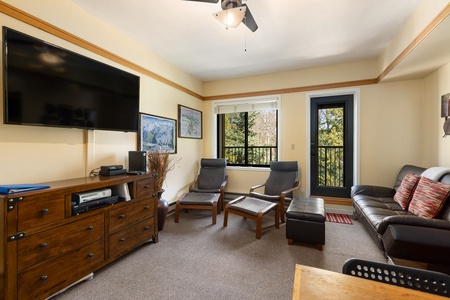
(429, 198)
(406, 190)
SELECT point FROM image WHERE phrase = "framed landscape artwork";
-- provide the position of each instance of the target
(190, 122)
(157, 133)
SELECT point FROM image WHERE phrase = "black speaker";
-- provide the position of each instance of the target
(137, 161)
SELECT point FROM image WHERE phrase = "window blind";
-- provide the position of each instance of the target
(245, 106)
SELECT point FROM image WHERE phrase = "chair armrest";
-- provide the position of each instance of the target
(272, 198)
(224, 183)
(256, 187)
(296, 185)
(238, 199)
(412, 221)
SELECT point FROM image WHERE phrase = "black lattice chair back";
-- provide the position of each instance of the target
(412, 278)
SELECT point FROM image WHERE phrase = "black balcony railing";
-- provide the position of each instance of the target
(331, 166)
(254, 156)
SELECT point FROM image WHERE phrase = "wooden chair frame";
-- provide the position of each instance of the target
(213, 208)
(282, 196)
(257, 218)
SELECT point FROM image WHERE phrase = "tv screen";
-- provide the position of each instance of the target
(51, 86)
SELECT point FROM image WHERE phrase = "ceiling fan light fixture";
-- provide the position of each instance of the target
(231, 17)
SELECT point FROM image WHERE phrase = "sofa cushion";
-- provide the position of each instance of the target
(445, 212)
(407, 169)
(428, 198)
(406, 190)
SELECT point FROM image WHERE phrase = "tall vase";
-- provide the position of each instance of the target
(163, 209)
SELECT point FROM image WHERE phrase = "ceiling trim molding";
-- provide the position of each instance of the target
(29, 19)
(422, 35)
(308, 88)
(56, 31)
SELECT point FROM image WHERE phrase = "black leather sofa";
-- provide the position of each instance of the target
(400, 234)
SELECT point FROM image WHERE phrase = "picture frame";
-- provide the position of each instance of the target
(190, 123)
(445, 105)
(157, 133)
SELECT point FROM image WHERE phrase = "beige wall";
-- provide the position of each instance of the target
(399, 121)
(390, 132)
(39, 154)
(291, 79)
(422, 17)
(436, 147)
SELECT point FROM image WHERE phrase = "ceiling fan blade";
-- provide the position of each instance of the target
(248, 19)
(208, 1)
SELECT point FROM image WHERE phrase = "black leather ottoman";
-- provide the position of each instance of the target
(305, 221)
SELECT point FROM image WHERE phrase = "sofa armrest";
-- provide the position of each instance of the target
(372, 191)
(421, 244)
(412, 221)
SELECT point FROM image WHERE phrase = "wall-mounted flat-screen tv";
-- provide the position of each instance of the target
(47, 85)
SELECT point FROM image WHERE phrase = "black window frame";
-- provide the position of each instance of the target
(221, 141)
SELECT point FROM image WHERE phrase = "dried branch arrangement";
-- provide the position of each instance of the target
(159, 164)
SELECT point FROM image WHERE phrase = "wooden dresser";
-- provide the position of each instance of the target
(44, 248)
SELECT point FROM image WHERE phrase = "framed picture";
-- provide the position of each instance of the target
(445, 105)
(157, 133)
(190, 122)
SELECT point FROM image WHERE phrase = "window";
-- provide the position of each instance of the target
(247, 132)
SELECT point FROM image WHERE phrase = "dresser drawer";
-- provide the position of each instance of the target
(145, 187)
(60, 272)
(58, 241)
(133, 212)
(37, 211)
(128, 239)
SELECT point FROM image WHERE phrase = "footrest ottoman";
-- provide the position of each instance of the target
(305, 221)
(199, 201)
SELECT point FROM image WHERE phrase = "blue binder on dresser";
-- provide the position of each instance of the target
(20, 188)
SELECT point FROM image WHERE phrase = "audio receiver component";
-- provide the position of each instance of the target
(111, 168)
(113, 172)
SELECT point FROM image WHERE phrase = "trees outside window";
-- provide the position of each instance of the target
(248, 138)
(331, 146)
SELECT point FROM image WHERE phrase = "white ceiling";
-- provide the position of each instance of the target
(292, 34)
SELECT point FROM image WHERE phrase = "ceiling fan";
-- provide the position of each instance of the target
(233, 13)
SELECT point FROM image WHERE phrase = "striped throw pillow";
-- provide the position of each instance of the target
(428, 198)
(406, 190)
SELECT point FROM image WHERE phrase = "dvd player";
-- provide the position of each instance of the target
(79, 198)
(92, 205)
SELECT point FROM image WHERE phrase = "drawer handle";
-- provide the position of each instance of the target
(122, 239)
(44, 211)
(147, 227)
(122, 216)
(91, 255)
(146, 207)
(44, 245)
(146, 186)
(91, 228)
(44, 277)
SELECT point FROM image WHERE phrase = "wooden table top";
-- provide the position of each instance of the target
(313, 283)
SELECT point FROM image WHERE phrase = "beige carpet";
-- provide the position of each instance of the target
(197, 260)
